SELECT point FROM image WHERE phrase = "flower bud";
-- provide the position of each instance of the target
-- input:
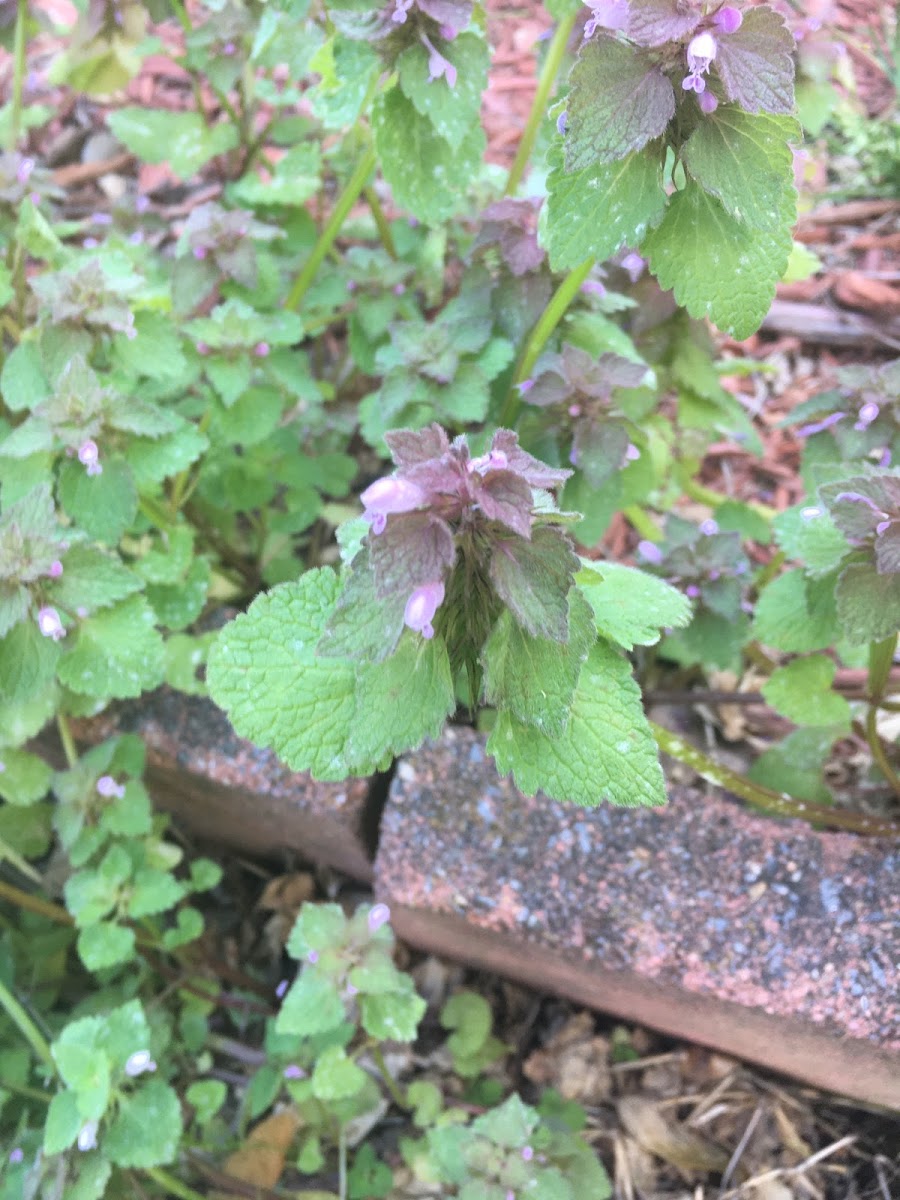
(421, 607)
(728, 19)
(55, 569)
(378, 916)
(390, 495)
(139, 1063)
(89, 457)
(87, 1137)
(108, 788)
(49, 623)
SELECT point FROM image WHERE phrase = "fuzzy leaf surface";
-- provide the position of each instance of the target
(453, 117)
(755, 63)
(717, 266)
(606, 752)
(744, 160)
(533, 580)
(630, 606)
(796, 614)
(868, 604)
(801, 691)
(117, 653)
(534, 678)
(595, 210)
(618, 102)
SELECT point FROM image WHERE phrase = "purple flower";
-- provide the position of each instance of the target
(650, 552)
(708, 527)
(390, 495)
(632, 454)
(89, 457)
(438, 66)
(859, 498)
(401, 11)
(293, 1072)
(107, 787)
(200, 253)
(882, 526)
(421, 607)
(527, 1153)
(55, 569)
(700, 53)
(692, 590)
(313, 957)
(561, 123)
(867, 414)
(379, 915)
(810, 513)
(202, 348)
(728, 19)
(49, 623)
(708, 103)
(24, 169)
(16, 1155)
(261, 349)
(525, 386)
(100, 218)
(494, 460)
(282, 987)
(806, 431)
(139, 1063)
(633, 265)
(606, 14)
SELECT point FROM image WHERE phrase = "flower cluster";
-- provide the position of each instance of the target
(438, 495)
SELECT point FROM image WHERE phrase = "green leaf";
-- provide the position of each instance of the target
(801, 691)
(154, 459)
(117, 653)
(63, 1124)
(93, 1176)
(535, 678)
(630, 606)
(453, 115)
(102, 505)
(124, 1030)
(22, 381)
(595, 210)
(264, 672)
(619, 100)
(807, 533)
(717, 266)
(187, 928)
(105, 945)
(27, 663)
(15, 602)
(24, 777)
(533, 578)
(294, 180)
(179, 139)
(338, 100)
(153, 891)
(336, 1076)
(91, 579)
(796, 614)
(206, 1097)
(426, 175)
(147, 1128)
(155, 351)
(402, 700)
(868, 604)
(130, 815)
(318, 927)
(744, 160)
(312, 1005)
(469, 1015)
(606, 752)
(393, 1017)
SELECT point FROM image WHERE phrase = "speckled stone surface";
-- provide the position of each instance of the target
(643, 912)
(228, 789)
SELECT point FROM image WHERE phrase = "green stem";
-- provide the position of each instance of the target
(342, 1164)
(19, 66)
(706, 495)
(389, 1081)
(549, 71)
(19, 1017)
(642, 522)
(20, 1089)
(170, 1184)
(44, 908)
(381, 223)
(68, 742)
(764, 798)
(347, 199)
(537, 339)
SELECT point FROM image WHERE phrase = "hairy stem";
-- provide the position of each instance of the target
(537, 339)
(381, 223)
(552, 63)
(764, 798)
(347, 199)
(68, 742)
(389, 1081)
(170, 1184)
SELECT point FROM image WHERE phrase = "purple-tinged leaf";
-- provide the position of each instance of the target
(755, 63)
(506, 497)
(532, 470)
(598, 450)
(868, 604)
(533, 580)
(597, 376)
(453, 15)
(411, 446)
(619, 101)
(416, 548)
(512, 226)
(655, 22)
(859, 504)
(887, 549)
